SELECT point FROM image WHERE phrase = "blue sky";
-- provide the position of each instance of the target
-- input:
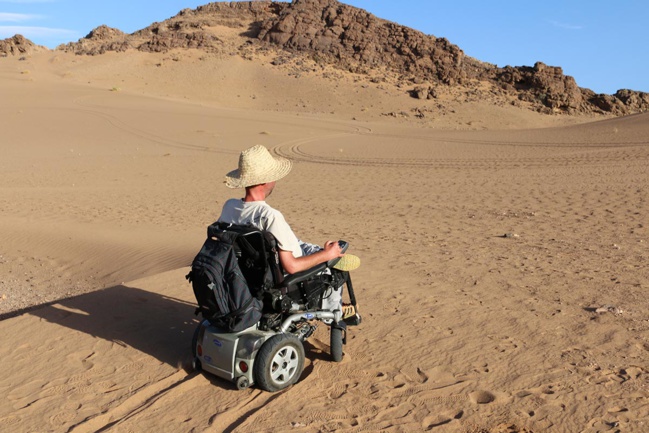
(603, 44)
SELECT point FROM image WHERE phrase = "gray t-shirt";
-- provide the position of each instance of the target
(260, 215)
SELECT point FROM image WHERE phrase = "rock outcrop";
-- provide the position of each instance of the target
(357, 40)
(540, 84)
(98, 41)
(624, 101)
(18, 45)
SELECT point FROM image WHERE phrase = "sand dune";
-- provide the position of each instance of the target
(486, 253)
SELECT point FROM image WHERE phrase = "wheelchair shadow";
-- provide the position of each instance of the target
(154, 324)
(314, 352)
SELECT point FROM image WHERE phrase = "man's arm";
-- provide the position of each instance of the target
(292, 264)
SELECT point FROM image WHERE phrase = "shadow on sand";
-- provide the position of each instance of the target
(149, 322)
(154, 324)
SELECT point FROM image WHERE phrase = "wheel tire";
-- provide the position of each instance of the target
(242, 383)
(279, 362)
(196, 363)
(195, 338)
(336, 344)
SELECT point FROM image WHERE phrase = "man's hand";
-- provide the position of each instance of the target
(332, 250)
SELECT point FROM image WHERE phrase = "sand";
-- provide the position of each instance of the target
(503, 280)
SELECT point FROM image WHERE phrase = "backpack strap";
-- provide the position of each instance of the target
(273, 258)
(248, 248)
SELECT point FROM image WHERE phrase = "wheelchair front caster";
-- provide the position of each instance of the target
(336, 344)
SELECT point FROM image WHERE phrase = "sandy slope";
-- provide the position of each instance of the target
(465, 330)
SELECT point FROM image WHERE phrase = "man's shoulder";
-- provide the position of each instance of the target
(262, 206)
(256, 212)
(232, 203)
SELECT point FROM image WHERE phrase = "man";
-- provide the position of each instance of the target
(258, 172)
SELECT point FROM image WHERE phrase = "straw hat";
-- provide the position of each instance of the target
(257, 166)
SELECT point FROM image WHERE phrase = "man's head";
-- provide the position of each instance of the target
(256, 167)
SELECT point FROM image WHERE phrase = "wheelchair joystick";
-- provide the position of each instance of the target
(343, 247)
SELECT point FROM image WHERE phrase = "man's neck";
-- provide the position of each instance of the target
(254, 194)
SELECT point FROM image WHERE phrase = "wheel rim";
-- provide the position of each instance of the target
(284, 365)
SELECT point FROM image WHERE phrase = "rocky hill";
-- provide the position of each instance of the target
(354, 40)
(188, 29)
(18, 45)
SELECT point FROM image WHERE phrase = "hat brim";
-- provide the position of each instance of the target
(280, 169)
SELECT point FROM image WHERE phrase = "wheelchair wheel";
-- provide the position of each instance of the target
(336, 344)
(196, 363)
(279, 362)
(195, 339)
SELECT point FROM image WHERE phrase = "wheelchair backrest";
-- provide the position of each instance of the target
(257, 254)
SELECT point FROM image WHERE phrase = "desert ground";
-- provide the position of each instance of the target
(503, 283)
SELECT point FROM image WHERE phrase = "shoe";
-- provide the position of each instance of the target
(348, 310)
(348, 262)
(350, 315)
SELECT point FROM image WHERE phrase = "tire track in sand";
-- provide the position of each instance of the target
(138, 402)
(600, 155)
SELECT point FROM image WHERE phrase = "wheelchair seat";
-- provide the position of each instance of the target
(258, 257)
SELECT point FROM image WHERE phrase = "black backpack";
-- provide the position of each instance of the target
(222, 292)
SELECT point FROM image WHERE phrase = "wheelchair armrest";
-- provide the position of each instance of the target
(298, 277)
